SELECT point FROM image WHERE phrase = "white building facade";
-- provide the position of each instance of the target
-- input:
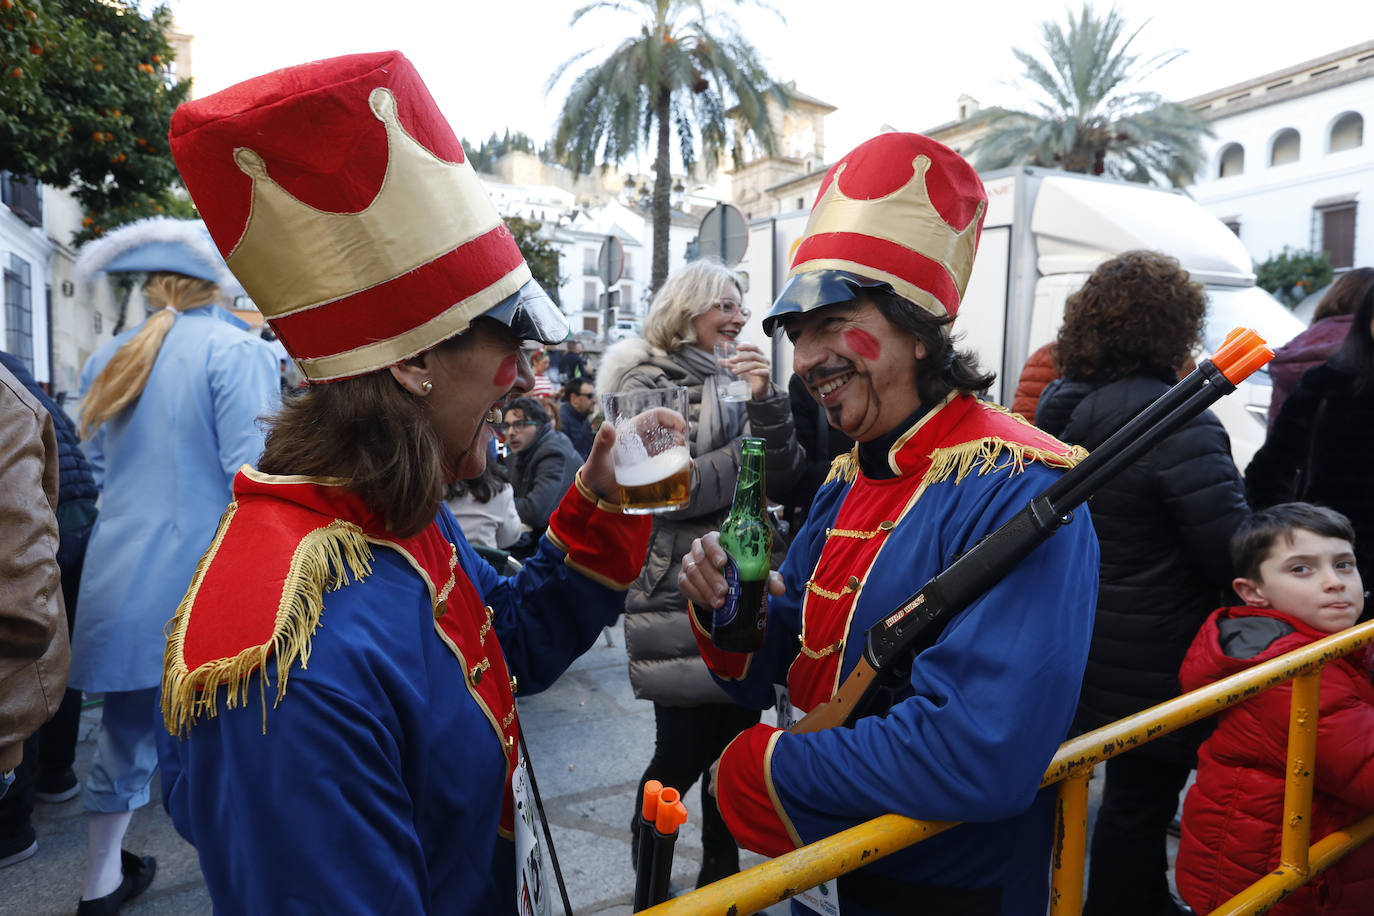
(1292, 162)
(25, 262)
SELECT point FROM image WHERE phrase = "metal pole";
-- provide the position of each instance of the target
(1302, 754)
(721, 232)
(1070, 846)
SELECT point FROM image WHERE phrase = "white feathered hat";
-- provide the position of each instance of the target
(180, 246)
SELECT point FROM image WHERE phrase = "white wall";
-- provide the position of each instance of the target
(1274, 204)
(20, 240)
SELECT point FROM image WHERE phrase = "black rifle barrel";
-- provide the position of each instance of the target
(988, 561)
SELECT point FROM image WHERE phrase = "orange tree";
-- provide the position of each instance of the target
(86, 96)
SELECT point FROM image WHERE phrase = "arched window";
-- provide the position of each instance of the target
(1232, 160)
(1347, 132)
(1285, 147)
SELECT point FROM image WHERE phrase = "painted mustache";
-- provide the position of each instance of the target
(822, 374)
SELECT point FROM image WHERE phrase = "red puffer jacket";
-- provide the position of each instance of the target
(1232, 815)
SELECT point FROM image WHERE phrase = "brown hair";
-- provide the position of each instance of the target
(124, 377)
(369, 432)
(1138, 311)
(944, 369)
(1253, 540)
(1346, 294)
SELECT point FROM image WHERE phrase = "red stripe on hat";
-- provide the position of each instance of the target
(392, 308)
(881, 254)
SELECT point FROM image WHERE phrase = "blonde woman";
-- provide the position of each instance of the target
(697, 307)
(169, 412)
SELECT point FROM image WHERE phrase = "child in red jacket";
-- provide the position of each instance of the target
(1299, 583)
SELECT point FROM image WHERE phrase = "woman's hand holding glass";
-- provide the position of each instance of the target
(750, 364)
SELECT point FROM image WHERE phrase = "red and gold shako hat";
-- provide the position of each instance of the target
(343, 202)
(900, 211)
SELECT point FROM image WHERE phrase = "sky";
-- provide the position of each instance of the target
(879, 62)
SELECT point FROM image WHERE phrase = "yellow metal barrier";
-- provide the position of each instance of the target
(776, 880)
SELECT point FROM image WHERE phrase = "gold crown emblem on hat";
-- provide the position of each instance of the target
(905, 216)
(293, 256)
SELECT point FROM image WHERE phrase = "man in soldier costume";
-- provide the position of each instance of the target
(874, 285)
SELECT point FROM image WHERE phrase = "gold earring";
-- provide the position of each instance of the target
(426, 386)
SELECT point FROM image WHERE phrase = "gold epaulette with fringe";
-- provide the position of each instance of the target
(214, 613)
(997, 440)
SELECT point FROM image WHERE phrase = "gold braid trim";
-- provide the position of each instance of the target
(845, 467)
(993, 454)
(323, 561)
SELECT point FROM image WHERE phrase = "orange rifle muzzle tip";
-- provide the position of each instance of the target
(649, 806)
(671, 817)
(1241, 354)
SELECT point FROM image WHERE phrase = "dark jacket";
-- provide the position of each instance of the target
(1164, 525)
(541, 475)
(1233, 815)
(822, 444)
(576, 427)
(1310, 348)
(75, 479)
(1319, 450)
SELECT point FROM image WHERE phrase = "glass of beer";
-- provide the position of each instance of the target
(653, 466)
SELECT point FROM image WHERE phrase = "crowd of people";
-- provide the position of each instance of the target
(361, 575)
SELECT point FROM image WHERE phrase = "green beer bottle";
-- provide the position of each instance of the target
(747, 536)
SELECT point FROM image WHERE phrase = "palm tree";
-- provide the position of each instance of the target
(677, 73)
(1089, 120)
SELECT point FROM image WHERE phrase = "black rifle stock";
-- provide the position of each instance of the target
(893, 642)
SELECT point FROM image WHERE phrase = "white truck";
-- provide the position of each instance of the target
(1044, 232)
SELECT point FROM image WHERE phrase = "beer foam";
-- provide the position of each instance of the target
(659, 467)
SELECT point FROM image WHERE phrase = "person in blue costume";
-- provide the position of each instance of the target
(339, 680)
(169, 412)
(874, 285)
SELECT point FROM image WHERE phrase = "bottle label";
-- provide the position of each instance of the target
(737, 595)
(729, 610)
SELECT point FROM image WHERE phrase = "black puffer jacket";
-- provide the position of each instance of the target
(1318, 450)
(76, 481)
(1164, 525)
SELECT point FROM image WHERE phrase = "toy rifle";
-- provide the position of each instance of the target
(891, 645)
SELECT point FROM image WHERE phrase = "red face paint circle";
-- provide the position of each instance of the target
(862, 343)
(506, 372)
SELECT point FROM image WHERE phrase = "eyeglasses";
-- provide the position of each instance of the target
(503, 427)
(731, 309)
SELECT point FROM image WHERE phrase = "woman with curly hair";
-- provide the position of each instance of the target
(1163, 525)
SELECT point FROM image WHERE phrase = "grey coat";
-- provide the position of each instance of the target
(541, 475)
(664, 663)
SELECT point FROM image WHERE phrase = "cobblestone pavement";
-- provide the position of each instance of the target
(589, 741)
